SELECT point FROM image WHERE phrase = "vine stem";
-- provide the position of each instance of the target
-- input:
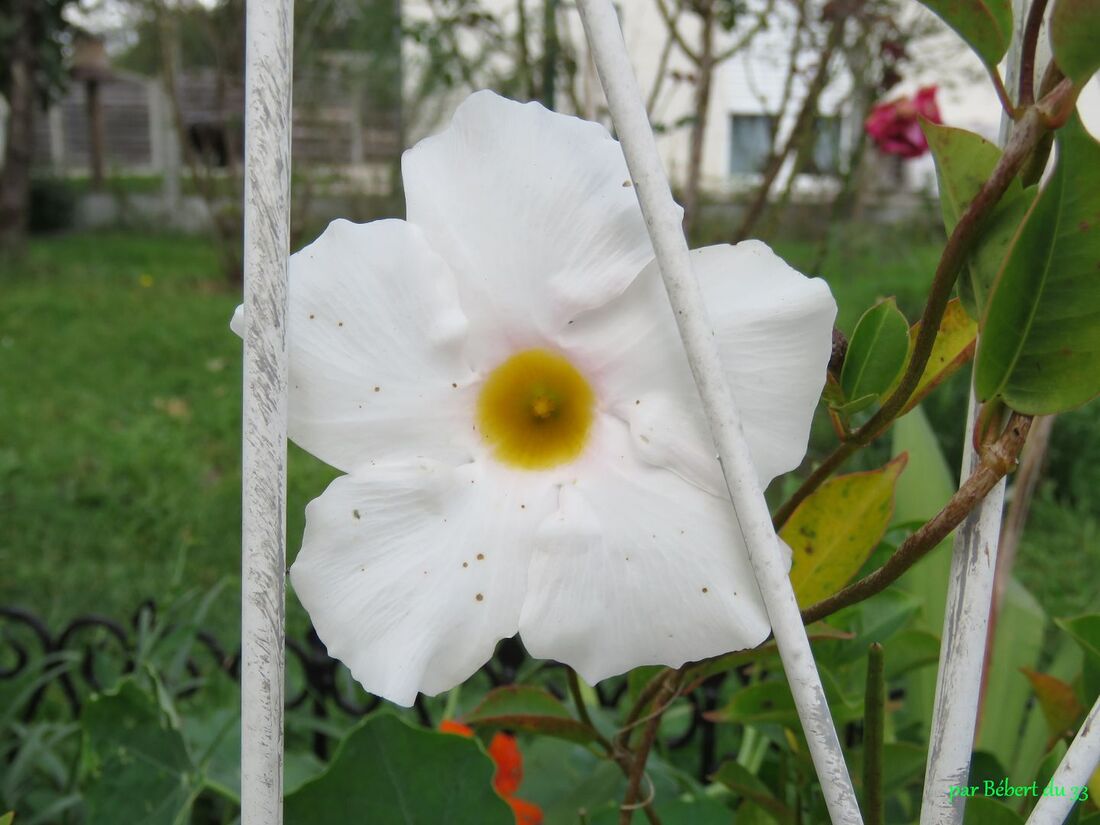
(582, 710)
(1028, 45)
(671, 251)
(874, 723)
(669, 687)
(1030, 129)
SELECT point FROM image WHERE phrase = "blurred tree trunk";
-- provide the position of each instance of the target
(15, 178)
(802, 131)
(705, 76)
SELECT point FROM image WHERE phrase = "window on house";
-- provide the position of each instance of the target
(750, 142)
(825, 159)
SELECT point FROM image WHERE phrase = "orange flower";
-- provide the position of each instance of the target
(509, 774)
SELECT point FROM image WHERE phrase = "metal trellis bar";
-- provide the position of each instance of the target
(268, 78)
(662, 218)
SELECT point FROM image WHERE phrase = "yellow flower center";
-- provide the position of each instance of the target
(535, 410)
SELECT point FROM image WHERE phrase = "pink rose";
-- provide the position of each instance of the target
(894, 126)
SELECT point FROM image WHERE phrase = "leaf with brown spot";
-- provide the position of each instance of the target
(1040, 345)
(527, 708)
(834, 531)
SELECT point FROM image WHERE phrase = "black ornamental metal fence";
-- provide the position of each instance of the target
(93, 644)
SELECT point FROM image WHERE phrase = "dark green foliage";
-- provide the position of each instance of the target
(52, 205)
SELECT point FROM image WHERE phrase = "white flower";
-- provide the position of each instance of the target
(501, 379)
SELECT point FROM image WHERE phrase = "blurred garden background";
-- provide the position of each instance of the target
(120, 204)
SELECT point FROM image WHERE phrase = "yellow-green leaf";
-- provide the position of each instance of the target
(954, 346)
(1058, 701)
(833, 532)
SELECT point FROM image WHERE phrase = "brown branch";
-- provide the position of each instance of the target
(669, 688)
(1026, 90)
(674, 30)
(704, 78)
(802, 123)
(759, 26)
(659, 76)
(1025, 137)
(582, 711)
(996, 461)
(1002, 93)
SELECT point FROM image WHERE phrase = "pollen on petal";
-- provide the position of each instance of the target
(536, 410)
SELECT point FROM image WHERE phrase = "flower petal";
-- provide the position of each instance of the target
(376, 339)
(534, 212)
(774, 333)
(412, 571)
(638, 567)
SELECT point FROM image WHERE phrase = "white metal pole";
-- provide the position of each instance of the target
(969, 597)
(268, 79)
(663, 221)
(1073, 773)
(962, 648)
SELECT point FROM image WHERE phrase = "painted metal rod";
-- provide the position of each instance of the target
(1073, 772)
(969, 598)
(268, 75)
(962, 649)
(663, 221)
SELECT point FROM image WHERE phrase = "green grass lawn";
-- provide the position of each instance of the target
(120, 427)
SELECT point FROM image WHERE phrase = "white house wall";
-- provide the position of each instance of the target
(752, 83)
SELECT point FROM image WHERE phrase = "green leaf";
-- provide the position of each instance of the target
(741, 781)
(1085, 630)
(386, 770)
(7, 818)
(903, 764)
(833, 532)
(911, 650)
(876, 352)
(523, 707)
(1058, 701)
(764, 702)
(1040, 343)
(964, 162)
(138, 768)
(771, 703)
(1074, 34)
(984, 811)
(986, 25)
